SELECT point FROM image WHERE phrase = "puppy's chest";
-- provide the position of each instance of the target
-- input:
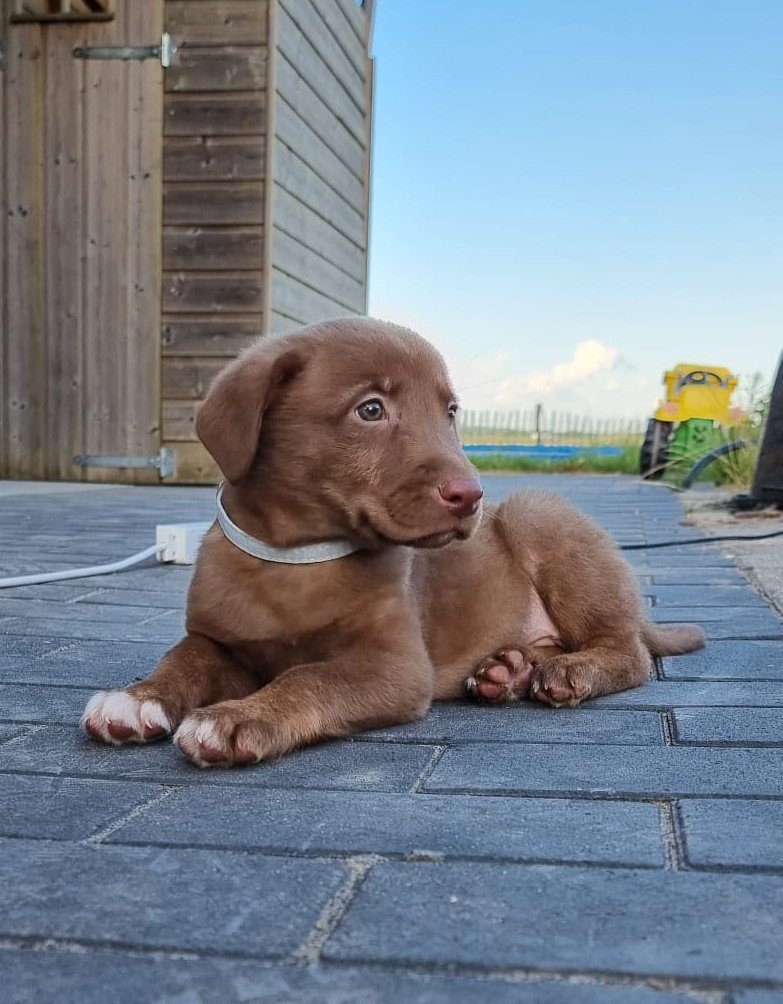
(286, 618)
(289, 618)
(272, 617)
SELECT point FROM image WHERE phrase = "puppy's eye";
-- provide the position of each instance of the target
(371, 411)
(453, 410)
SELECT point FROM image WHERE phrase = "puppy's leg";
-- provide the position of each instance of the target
(195, 672)
(306, 704)
(602, 666)
(587, 592)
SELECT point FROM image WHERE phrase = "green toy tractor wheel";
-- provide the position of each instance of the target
(653, 457)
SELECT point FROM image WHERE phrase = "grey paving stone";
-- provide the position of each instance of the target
(175, 899)
(674, 558)
(709, 614)
(93, 664)
(11, 665)
(65, 808)
(28, 646)
(62, 591)
(154, 577)
(358, 822)
(703, 596)
(658, 923)
(728, 833)
(609, 771)
(738, 726)
(723, 622)
(41, 704)
(696, 693)
(47, 610)
(722, 660)
(21, 563)
(172, 618)
(10, 732)
(337, 765)
(167, 632)
(459, 722)
(155, 599)
(723, 576)
(351, 797)
(737, 628)
(27, 976)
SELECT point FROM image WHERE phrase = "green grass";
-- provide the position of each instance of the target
(625, 463)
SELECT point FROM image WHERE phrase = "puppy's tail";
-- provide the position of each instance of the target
(674, 639)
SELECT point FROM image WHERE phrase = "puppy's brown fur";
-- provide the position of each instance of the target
(532, 600)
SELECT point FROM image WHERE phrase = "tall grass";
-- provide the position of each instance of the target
(736, 469)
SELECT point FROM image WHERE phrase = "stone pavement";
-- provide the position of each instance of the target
(628, 852)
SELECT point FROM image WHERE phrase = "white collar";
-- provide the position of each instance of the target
(309, 554)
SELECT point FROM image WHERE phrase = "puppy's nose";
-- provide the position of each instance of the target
(461, 495)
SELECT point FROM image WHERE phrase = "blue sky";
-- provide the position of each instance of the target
(569, 196)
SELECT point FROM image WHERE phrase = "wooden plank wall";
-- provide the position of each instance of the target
(98, 355)
(322, 122)
(213, 206)
(4, 208)
(80, 247)
(263, 89)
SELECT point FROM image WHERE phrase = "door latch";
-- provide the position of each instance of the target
(162, 462)
(163, 50)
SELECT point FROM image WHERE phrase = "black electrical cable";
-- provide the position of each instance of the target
(720, 451)
(699, 540)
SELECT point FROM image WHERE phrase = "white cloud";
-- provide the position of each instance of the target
(590, 357)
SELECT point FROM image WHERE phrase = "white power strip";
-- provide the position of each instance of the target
(179, 542)
(175, 543)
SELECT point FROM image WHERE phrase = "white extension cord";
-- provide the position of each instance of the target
(175, 543)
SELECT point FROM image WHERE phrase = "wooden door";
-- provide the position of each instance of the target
(80, 176)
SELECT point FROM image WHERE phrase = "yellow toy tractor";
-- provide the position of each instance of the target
(690, 421)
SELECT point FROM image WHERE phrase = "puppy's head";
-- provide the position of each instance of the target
(351, 417)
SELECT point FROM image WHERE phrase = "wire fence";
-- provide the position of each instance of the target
(540, 427)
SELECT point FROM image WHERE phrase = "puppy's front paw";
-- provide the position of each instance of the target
(561, 681)
(501, 679)
(223, 736)
(117, 717)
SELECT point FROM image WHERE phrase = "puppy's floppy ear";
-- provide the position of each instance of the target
(228, 423)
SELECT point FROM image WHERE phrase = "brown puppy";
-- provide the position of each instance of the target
(345, 431)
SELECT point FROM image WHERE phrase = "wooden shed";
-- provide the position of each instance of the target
(158, 218)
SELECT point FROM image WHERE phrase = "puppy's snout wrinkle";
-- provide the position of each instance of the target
(461, 495)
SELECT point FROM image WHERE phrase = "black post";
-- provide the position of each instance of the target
(767, 484)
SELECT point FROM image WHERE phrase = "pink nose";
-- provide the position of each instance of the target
(461, 495)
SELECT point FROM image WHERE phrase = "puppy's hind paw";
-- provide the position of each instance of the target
(117, 717)
(560, 682)
(501, 679)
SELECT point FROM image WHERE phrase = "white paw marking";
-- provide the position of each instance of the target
(120, 708)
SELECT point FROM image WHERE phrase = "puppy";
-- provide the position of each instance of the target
(351, 578)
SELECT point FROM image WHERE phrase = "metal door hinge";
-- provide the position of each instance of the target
(164, 51)
(162, 462)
